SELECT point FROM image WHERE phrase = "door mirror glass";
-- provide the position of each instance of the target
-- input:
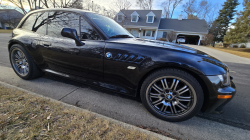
(71, 33)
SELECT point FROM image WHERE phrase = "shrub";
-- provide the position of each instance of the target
(163, 39)
(242, 46)
(171, 36)
(235, 46)
(225, 45)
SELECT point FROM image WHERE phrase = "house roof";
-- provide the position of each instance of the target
(12, 13)
(142, 19)
(4, 10)
(189, 25)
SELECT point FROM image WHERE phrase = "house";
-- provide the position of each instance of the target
(141, 23)
(148, 24)
(9, 18)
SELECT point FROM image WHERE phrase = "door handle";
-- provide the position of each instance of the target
(46, 44)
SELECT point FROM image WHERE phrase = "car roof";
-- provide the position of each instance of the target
(78, 11)
(61, 9)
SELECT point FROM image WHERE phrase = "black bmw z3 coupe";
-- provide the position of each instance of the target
(174, 82)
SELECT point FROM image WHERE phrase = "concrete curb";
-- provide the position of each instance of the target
(125, 125)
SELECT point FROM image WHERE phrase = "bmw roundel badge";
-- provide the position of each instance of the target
(169, 97)
(109, 55)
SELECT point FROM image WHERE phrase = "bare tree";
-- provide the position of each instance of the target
(171, 36)
(145, 4)
(109, 12)
(169, 7)
(212, 15)
(166, 6)
(95, 7)
(28, 5)
(78, 4)
(197, 10)
(121, 4)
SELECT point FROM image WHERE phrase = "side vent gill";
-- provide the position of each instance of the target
(137, 59)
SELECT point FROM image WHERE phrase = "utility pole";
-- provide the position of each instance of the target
(35, 5)
(39, 4)
(92, 6)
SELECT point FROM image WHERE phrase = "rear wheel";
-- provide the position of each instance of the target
(22, 63)
(172, 95)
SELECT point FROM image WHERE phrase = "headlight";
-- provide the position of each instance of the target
(225, 79)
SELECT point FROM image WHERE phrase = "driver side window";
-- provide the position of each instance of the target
(59, 20)
(87, 32)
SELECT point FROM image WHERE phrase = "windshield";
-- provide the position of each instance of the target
(111, 28)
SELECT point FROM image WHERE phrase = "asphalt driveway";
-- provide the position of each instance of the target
(233, 124)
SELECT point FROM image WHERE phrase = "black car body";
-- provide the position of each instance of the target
(121, 62)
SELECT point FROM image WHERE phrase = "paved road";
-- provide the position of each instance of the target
(233, 124)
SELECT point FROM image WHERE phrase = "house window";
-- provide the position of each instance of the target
(134, 33)
(134, 18)
(144, 32)
(164, 35)
(119, 18)
(153, 34)
(150, 19)
(148, 33)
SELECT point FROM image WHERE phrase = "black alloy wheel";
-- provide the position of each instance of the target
(172, 95)
(22, 63)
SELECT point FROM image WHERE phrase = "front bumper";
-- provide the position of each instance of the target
(213, 104)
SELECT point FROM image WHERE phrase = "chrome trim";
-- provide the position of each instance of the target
(57, 73)
(131, 67)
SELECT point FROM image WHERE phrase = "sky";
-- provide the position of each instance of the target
(157, 5)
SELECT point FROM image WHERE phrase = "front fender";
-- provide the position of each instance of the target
(199, 64)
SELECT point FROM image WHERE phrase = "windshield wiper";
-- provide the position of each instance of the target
(121, 36)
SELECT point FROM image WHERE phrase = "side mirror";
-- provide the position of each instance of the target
(71, 33)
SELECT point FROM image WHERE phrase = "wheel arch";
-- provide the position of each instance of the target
(12, 42)
(194, 73)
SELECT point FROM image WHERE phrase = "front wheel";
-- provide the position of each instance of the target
(172, 95)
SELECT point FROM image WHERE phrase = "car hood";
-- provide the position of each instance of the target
(168, 45)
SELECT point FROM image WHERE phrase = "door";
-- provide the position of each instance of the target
(148, 34)
(61, 54)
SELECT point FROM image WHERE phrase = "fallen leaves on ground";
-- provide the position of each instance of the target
(25, 116)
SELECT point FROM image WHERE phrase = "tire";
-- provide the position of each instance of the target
(172, 102)
(22, 63)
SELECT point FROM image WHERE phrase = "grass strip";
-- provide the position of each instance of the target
(242, 52)
(5, 31)
(26, 116)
